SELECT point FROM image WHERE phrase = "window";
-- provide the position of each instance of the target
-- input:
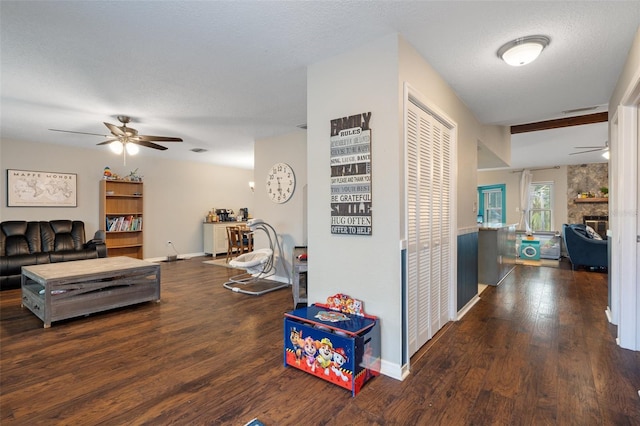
(541, 206)
(491, 202)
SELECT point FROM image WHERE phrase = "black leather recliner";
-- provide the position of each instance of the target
(25, 243)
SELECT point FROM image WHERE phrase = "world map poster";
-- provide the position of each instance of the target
(27, 188)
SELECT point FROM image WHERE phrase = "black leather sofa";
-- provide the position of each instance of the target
(25, 243)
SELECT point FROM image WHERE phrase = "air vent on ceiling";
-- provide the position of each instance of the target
(199, 150)
(573, 111)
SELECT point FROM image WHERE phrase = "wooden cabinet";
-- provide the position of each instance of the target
(121, 211)
(215, 237)
(208, 238)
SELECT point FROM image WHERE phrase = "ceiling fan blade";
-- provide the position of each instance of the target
(108, 141)
(147, 138)
(117, 131)
(148, 144)
(584, 152)
(79, 133)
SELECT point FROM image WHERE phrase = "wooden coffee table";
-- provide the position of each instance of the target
(57, 291)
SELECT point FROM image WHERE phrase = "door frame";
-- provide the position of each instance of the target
(411, 95)
(503, 193)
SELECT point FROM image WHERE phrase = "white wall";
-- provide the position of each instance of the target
(624, 201)
(512, 182)
(289, 218)
(365, 267)
(432, 86)
(177, 194)
(371, 79)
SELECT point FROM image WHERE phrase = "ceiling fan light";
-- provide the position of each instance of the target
(523, 50)
(116, 147)
(132, 149)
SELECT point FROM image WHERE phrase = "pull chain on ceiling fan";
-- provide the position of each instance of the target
(125, 139)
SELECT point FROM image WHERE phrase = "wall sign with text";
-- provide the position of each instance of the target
(351, 175)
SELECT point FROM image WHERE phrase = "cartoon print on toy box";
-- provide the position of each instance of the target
(297, 343)
(343, 303)
(336, 342)
(331, 316)
(327, 357)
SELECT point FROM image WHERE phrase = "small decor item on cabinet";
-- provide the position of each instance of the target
(331, 342)
(108, 174)
(134, 176)
(243, 214)
(224, 215)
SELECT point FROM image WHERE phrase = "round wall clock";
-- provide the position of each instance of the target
(281, 182)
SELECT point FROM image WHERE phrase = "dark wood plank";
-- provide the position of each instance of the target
(535, 350)
(599, 117)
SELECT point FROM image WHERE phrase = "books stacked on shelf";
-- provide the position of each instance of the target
(124, 223)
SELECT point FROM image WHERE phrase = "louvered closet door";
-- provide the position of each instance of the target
(429, 226)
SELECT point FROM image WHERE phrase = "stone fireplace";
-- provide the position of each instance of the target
(587, 178)
(600, 224)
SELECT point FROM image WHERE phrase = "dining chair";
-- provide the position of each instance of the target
(246, 239)
(232, 242)
(240, 241)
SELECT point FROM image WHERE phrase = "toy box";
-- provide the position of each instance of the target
(340, 347)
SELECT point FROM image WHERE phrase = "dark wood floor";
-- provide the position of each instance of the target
(535, 350)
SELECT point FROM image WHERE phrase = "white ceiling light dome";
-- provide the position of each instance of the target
(132, 149)
(116, 147)
(524, 50)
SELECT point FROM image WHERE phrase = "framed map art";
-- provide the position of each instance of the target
(27, 188)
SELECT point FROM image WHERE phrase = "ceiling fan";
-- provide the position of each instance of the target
(124, 139)
(604, 147)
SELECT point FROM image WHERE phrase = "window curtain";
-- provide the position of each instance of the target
(525, 182)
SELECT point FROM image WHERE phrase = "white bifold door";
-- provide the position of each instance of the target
(430, 233)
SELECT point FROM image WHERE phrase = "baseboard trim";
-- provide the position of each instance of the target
(607, 312)
(466, 308)
(393, 370)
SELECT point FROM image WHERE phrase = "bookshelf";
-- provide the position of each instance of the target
(121, 211)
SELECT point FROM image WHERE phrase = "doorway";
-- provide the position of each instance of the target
(430, 185)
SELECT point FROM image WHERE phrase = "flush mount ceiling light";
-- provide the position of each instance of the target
(524, 50)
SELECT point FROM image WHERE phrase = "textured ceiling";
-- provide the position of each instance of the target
(222, 74)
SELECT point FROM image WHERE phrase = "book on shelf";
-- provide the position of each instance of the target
(124, 223)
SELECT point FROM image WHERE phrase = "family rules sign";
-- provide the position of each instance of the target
(351, 175)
